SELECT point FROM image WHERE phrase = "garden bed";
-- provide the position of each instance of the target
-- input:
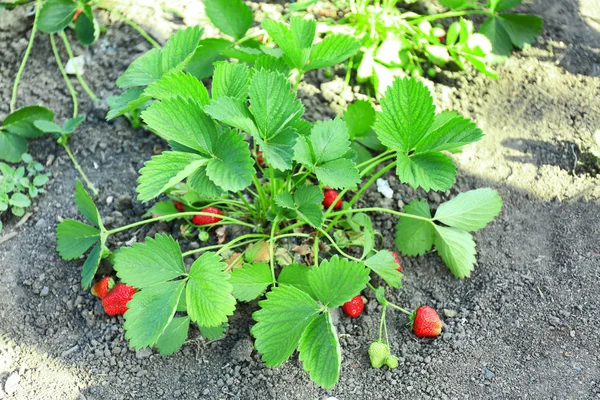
(521, 326)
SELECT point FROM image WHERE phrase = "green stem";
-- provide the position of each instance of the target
(316, 250)
(13, 99)
(381, 323)
(255, 237)
(250, 209)
(386, 303)
(132, 24)
(89, 184)
(358, 194)
(382, 210)
(399, 308)
(82, 82)
(301, 235)
(292, 227)
(300, 75)
(178, 215)
(449, 14)
(271, 245)
(334, 244)
(64, 75)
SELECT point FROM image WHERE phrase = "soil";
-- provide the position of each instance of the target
(523, 326)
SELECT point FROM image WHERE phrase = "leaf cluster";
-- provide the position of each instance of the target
(19, 185)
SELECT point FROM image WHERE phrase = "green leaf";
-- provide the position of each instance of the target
(470, 210)
(174, 336)
(231, 80)
(232, 17)
(296, 275)
(180, 48)
(232, 166)
(21, 122)
(87, 29)
(273, 103)
(11, 147)
(47, 126)
(165, 171)
(457, 248)
(208, 293)
(336, 281)
(278, 151)
(429, 170)
(203, 186)
(523, 29)
(90, 266)
(281, 321)
(493, 29)
(453, 133)
(160, 209)
(40, 180)
(359, 118)
(150, 312)
(55, 15)
(232, 112)
(306, 202)
(143, 71)
(330, 140)
(250, 281)
(407, 113)
(320, 351)
(454, 3)
(213, 332)
(85, 204)
(201, 65)
(339, 174)
(503, 5)
(19, 200)
(271, 63)
(74, 238)
(179, 84)
(183, 121)
(414, 237)
(384, 264)
(146, 264)
(128, 101)
(72, 123)
(295, 44)
(332, 50)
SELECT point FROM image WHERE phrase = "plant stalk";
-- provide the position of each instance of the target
(82, 82)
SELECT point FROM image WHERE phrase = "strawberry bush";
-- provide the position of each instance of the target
(213, 173)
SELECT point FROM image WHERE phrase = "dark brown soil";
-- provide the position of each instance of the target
(526, 321)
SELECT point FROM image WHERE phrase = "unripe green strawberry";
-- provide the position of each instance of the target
(391, 362)
(378, 353)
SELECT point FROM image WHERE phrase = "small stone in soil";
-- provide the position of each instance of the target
(12, 383)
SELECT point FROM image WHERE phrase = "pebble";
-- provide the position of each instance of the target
(12, 383)
(449, 313)
(143, 353)
(384, 188)
(487, 374)
(45, 291)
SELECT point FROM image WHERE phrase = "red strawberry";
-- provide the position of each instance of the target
(102, 287)
(115, 302)
(260, 159)
(205, 219)
(178, 205)
(426, 322)
(329, 197)
(354, 307)
(399, 269)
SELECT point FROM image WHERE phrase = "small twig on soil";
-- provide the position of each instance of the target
(574, 155)
(7, 237)
(23, 220)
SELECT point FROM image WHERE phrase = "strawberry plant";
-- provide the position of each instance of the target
(212, 172)
(18, 186)
(396, 42)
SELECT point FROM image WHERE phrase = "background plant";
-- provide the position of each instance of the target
(396, 42)
(18, 186)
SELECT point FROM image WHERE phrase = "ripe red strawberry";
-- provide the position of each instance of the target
(205, 219)
(329, 197)
(354, 307)
(260, 159)
(399, 269)
(178, 205)
(115, 302)
(426, 322)
(102, 287)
